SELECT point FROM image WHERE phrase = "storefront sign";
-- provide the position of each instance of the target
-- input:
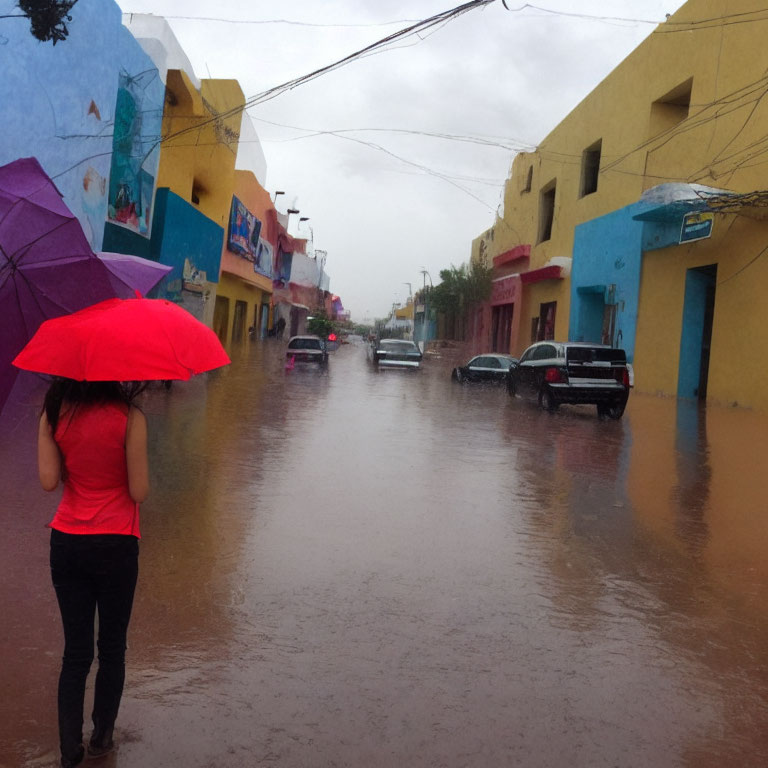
(696, 226)
(244, 229)
(504, 291)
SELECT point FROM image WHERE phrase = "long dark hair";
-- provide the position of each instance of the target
(85, 393)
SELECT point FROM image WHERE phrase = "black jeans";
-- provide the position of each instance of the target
(89, 572)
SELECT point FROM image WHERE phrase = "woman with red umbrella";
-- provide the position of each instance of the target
(93, 438)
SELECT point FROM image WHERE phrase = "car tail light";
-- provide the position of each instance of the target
(622, 375)
(554, 376)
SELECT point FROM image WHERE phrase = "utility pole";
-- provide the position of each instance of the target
(410, 296)
(425, 321)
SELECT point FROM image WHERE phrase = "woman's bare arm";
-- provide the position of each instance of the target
(136, 455)
(48, 456)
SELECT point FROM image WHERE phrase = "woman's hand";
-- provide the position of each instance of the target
(48, 456)
(136, 455)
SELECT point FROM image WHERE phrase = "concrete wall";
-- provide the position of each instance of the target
(607, 260)
(59, 105)
(647, 141)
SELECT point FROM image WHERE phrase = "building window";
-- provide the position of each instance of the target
(546, 211)
(197, 191)
(590, 168)
(528, 183)
(671, 109)
(546, 329)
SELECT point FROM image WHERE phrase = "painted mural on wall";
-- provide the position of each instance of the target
(264, 258)
(244, 231)
(135, 152)
(282, 268)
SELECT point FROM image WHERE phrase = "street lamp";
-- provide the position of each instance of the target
(425, 320)
(278, 192)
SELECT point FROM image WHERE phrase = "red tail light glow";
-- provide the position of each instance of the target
(554, 376)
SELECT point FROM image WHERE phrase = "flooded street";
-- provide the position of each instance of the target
(360, 568)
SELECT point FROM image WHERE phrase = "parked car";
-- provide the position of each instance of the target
(307, 349)
(488, 367)
(398, 353)
(572, 372)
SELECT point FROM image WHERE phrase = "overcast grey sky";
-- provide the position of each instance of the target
(504, 76)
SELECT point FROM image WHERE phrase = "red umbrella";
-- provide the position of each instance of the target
(124, 340)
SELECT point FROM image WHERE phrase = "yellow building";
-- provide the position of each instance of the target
(631, 223)
(201, 130)
(244, 292)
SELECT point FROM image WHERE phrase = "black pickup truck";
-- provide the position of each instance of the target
(554, 372)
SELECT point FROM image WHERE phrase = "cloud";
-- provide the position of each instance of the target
(489, 73)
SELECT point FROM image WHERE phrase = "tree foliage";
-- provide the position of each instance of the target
(320, 324)
(461, 287)
(48, 18)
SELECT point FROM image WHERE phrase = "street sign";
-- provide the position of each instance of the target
(696, 226)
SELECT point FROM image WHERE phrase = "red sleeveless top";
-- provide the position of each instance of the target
(96, 498)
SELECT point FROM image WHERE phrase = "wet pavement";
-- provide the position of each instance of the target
(352, 568)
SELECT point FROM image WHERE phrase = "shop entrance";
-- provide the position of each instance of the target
(221, 318)
(238, 324)
(696, 337)
(501, 328)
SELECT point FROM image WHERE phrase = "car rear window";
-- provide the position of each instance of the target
(398, 346)
(304, 344)
(595, 355)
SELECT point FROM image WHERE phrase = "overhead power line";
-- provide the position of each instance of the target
(327, 25)
(413, 30)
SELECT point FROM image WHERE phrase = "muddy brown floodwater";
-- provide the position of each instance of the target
(351, 568)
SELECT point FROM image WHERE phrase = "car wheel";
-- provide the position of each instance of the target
(547, 400)
(511, 387)
(612, 411)
(459, 376)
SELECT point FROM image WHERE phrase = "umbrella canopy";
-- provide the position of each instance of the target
(124, 340)
(138, 274)
(47, 267)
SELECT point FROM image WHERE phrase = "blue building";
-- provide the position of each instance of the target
(90, 110)
(607, 264)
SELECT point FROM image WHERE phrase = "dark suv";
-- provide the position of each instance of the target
(555, 372)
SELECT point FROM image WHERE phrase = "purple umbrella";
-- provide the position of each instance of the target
(47, 267)
(138, 274)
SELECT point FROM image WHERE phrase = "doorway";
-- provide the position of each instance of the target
(501, 328)
(696, 336)
(238, 323)
(221, 318)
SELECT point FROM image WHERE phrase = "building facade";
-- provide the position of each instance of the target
(638, 220)
(200, 132)
(90, 110)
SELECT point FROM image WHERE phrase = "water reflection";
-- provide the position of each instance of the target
(691, 494)
(356, 568)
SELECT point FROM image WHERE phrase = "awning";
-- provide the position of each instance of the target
(514, 254)
(552, 272)
(669, 203)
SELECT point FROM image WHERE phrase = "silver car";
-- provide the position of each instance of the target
(396, 353)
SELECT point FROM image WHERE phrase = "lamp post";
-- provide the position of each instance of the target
(410, 296)
(278, 192)
(425, 321)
